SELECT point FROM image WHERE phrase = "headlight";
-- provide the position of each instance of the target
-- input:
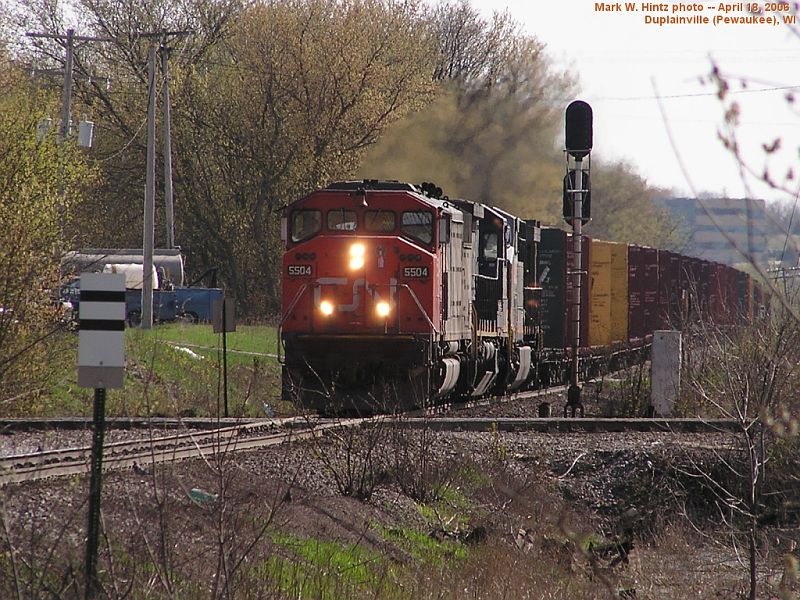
(357, 252)
(382, 309)
(326, 308)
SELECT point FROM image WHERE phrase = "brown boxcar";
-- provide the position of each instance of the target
(734, 307)
(710, 281)
(722, 293)
(636, 317)
(652, 320)
(745, 295)
(669, 289)
(694, 286)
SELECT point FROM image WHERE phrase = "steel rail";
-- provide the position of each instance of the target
(572, 425)
(152, 451)
(155, 450)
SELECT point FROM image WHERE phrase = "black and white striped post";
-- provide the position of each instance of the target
(101, 365)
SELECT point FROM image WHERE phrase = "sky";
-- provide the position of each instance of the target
(624, 63)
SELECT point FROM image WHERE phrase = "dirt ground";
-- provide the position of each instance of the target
(409, 514)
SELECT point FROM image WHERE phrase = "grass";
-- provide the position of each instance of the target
(422, 547)
(314, 568)
(171, 370)
(246, 338)
(449, 512)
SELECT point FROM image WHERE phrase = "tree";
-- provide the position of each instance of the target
(748, 374)
(302, 88)
(490, 135)
(751, 375)
(270, 99)
(110, 86)
(39, 185)
(493, 133)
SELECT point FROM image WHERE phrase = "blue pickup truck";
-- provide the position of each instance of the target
(189, 304)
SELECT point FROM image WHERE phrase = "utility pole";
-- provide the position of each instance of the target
(66, 95)
(148, 241)
(64, 127)
(164, 51)
(167, 146)
(149, 196)
(69, 41)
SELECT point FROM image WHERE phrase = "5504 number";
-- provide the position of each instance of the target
(415, 271)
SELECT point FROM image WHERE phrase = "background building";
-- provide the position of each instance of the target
(721, 229)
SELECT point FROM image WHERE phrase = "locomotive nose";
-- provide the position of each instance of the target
(357, 287)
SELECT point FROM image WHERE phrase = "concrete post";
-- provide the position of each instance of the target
(665, 372)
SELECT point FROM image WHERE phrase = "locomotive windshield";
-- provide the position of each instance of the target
(342, 220)
(305, 223)
(379, 221)
(418, 225)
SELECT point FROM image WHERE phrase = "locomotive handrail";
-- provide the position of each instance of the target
(294, 301)
(421, 309)
(292, 304)
(414, 298)
(427, 318)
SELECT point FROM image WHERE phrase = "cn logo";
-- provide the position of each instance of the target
(359, 286)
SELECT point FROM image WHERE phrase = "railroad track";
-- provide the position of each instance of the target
(155, 450)
(231, 435)
(571, 425)
(259, 434)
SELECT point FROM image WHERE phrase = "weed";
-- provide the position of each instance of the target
(317, 568)
(424, 547)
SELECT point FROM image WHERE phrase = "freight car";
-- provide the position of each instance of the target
(628, 292)
(396, 296)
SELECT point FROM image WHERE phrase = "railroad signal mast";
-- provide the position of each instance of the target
(577, 211)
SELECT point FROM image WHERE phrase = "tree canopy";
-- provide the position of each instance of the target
(493, 133)
(269, 101)
(273, 99)
(39, 184)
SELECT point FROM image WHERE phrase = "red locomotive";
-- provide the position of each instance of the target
(396, 296)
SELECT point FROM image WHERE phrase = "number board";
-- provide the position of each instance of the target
(419, 272)
(299, 270)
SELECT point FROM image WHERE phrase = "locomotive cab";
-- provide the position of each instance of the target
(370, 293)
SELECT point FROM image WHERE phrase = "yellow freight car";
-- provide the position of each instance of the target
(619, 292)
(600, 293)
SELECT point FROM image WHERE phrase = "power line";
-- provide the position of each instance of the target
(697, 94)
(126, 145)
